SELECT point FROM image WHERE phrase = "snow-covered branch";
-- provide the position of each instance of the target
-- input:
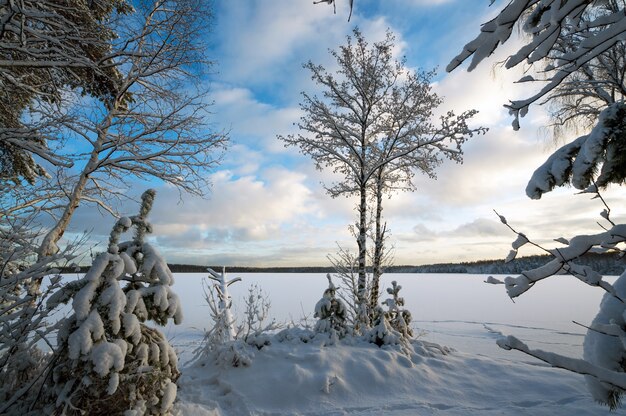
(568, 36)
(593, 160)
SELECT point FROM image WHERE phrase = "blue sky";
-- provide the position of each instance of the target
(267, 207)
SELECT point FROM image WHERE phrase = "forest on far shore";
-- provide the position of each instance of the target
(606, 264)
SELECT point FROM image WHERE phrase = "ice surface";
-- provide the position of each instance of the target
(459, 311)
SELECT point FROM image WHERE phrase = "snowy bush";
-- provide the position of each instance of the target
(382, 333)
(331, 313)
(24, 319)
(226, 341)
(108, 360)
(391, 327)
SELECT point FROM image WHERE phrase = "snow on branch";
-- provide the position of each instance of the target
(568, 34)
(614, 378)
(562, 262)
(154, 124)
(595, 159)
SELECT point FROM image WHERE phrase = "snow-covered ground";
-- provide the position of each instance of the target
(470, 376)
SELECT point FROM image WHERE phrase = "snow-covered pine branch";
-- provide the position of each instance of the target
(605, 341)
(565, 36)
(593, 160)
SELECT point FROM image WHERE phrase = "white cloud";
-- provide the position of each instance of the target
(431, 3)
(253, 207)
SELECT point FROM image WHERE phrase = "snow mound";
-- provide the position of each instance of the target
(354, 377)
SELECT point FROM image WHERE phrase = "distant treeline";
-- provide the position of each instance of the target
(184, 268)
(607, 264)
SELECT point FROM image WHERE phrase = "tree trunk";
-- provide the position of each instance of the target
(362, 270)
(362, 240)
(379, 243)
(48, 246)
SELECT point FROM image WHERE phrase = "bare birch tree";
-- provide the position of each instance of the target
(374, 118)
(154, 124)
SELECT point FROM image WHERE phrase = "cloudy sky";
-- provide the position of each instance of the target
(267, 206)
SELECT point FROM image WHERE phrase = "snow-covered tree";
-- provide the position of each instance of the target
(220, 302)
(45, 46)
(108, 361)
(580, 44)
(398, 317)
(373, 124)
(564, 37)
(382, 333)
(331, 313)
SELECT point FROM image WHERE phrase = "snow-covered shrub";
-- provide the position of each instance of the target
(391, 327)
(24, 326)
(226, 341)
(331, 313)
(398, 317)
(108, 360)
(254, 330)
(357, 305)
(382, 333)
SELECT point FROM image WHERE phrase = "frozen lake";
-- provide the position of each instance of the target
(456, 310)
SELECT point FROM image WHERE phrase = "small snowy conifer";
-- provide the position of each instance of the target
(382, 333)
(109, 361)
(331, 313)
(399, 318)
